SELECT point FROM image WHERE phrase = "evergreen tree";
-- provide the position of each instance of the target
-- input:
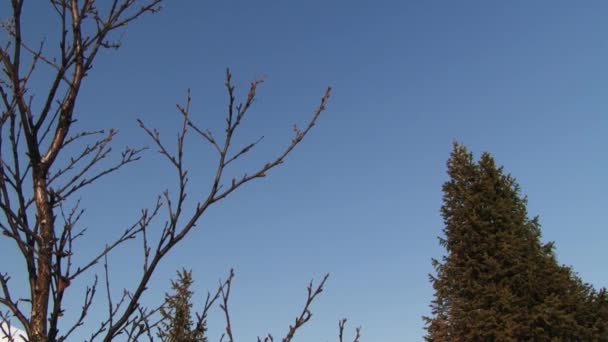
(177, 322)
(498, 281)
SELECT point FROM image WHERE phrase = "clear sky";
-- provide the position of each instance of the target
(360, 198)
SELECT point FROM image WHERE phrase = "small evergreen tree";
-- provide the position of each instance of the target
(176, 325)
(498, 281)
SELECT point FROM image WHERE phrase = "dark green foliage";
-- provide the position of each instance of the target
(498, 281)
(177, 325)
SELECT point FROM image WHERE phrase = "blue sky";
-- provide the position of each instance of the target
(360, 198)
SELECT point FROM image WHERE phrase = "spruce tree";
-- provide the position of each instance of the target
(177, 325)
(498, 281)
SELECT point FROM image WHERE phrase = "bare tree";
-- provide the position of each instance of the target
(39, 175)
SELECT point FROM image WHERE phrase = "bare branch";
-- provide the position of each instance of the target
(130, 233)
(210, 300)
(299, 136)
(341, 325)
(243, 151)
(11, 304)
(88, 300)
(305, 315)
(225, 293)
(171, 235)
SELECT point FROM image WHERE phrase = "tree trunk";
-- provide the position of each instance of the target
(41, 292)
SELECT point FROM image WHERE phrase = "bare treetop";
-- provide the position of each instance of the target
(37, 187)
